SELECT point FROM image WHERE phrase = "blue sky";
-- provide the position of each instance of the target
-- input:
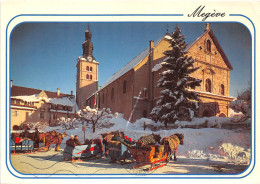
(44, 55)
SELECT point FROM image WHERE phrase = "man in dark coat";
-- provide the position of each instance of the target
(25, 133)
(76, 140)
(36, 138)
(70, 145)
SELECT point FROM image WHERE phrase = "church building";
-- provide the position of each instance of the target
(132, 90)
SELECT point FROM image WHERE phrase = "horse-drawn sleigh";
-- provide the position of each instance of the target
(144, 151)
(26, 141)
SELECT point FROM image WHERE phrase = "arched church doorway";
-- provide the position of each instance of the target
(222, 115)
(208, 113)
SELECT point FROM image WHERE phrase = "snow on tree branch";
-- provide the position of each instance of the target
(176, 101)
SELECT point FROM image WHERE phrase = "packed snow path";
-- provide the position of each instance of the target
(52, 163)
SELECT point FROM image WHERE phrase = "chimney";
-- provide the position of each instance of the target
(71, 92)
(207, 27)
(151, 45)
(11, 83)
(58, 91)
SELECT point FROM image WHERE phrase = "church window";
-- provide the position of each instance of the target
(90, 77)
(124, 86)
(90, 69)
(222, 89)
(87, 76)
(208, 85)
(145, 114)
(208, 46)
(87, 68)
(42, 115)
(145, 92)
(112, 93)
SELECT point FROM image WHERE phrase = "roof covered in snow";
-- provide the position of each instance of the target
(65, 100)
(24, 91)
(131, 64)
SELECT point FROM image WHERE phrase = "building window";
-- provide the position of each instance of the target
(90, 77)
(12, 113)
(145, 114)
(103, 100)
(112, 93)
(87, 68)
(222, 89)
(208, 85)
(208, 46)
(16, 113)
(145, 92)
(52, 106)
(87, 76)
(91, 69)
(124, 87)
(42, 115)
(15, 127)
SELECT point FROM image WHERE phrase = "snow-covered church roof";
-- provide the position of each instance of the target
(131, 64)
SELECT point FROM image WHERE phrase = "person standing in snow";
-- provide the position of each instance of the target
(36, 137)
(76, 140)
(70, 145)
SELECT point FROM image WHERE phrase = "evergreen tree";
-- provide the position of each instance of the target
(176, 102)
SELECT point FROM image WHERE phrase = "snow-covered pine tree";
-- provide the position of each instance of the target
(176, 102)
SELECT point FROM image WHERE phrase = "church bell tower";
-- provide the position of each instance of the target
(87, 72)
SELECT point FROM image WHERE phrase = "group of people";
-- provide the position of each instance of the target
(73, 141)
(70, 145)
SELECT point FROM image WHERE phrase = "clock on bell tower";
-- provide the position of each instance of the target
(87, 72)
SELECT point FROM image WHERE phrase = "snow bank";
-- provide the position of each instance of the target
(206, 122)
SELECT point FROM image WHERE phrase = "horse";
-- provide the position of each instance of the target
(151, 139)
(173, 142)
(59, 137)
(49, 139)
(107, 137)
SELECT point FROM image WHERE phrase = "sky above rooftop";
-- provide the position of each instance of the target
(44, 55)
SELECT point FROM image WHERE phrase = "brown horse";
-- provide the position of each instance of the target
(49, 139)
(107, 137)
(151, 139)
(59, 137)
(173, 142)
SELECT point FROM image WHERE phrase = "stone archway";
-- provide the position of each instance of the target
(208, 113)
(222, 115)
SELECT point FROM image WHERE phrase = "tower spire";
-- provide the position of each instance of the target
(87, 44)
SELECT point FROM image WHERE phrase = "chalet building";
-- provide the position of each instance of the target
(35, 105)
(132, 90)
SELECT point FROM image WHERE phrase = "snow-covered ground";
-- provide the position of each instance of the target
(205, 143)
